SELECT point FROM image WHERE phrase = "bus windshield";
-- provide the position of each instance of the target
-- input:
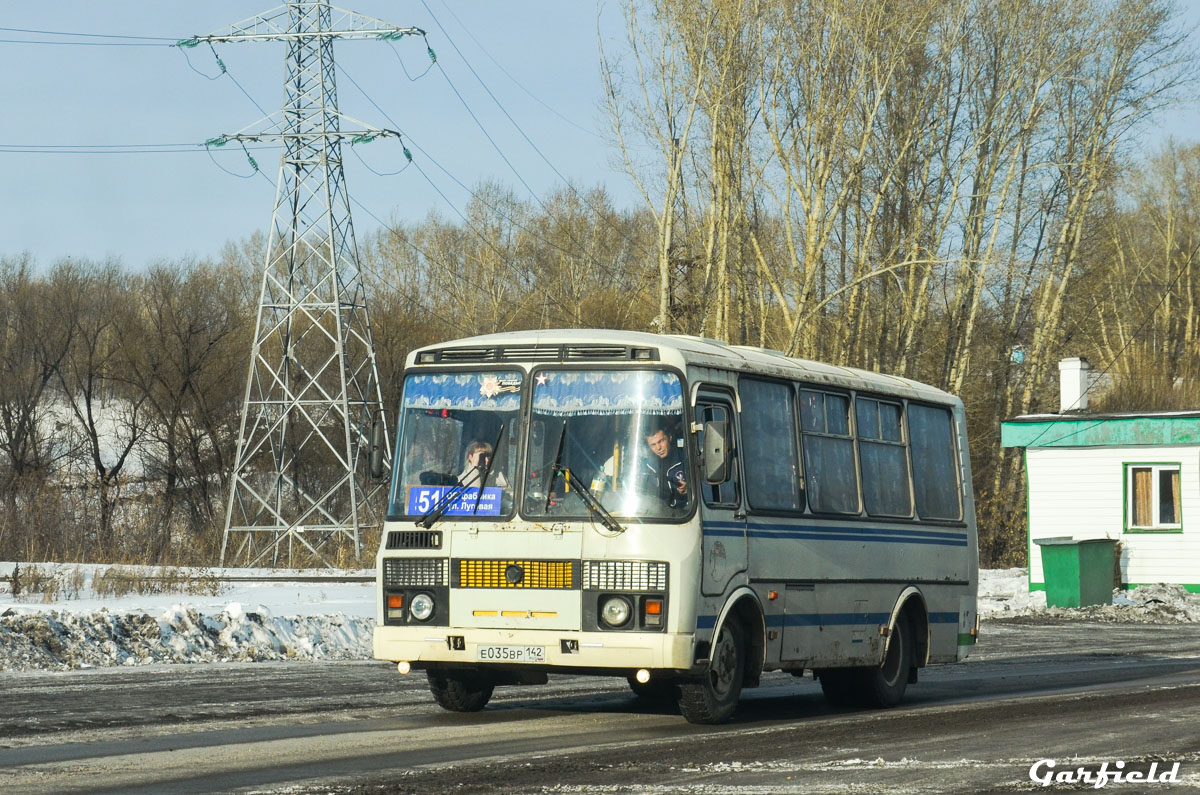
(619, 433)
(454, 429)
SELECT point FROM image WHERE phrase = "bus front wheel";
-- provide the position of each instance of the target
(460, 692)
(714, 698)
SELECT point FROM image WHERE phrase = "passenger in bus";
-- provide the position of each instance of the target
(479, 455)
(668, 475)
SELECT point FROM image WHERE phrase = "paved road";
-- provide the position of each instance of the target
(1080, 694)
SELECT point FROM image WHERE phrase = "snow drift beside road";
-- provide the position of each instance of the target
(1004, 593)
(222, 621)
(329, 620)
(64, 639)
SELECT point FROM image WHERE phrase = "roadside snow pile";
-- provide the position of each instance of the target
(79, 616)
(1005, 594)
(61, 639)
(83, 617)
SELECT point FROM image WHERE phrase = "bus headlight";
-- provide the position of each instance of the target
(615, 611)
(421, 606)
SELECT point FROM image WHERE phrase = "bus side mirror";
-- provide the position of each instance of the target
(378, 447)
(716, 452)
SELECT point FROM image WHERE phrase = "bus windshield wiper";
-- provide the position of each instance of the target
(441, 506)
(555, 468)
(488, 470)
(589, 499)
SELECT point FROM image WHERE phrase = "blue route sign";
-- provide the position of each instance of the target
(422, 498)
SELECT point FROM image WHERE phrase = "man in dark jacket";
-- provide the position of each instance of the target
(665, 468)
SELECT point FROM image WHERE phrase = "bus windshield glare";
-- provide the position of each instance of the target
(619, 433)
(454, 428)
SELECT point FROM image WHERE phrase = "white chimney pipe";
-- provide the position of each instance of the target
(1073, 384)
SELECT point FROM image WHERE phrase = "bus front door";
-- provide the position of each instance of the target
(722, 519)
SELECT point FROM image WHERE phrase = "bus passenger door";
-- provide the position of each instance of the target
(721, 515)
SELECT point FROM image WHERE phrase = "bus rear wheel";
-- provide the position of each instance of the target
(884, 686)
(880, 685)
(460, 692)
(714, 698)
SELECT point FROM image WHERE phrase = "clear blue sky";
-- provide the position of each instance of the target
(143, 207)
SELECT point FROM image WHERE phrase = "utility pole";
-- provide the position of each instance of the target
(301, 492)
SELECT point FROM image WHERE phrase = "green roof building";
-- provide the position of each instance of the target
(1132, 478)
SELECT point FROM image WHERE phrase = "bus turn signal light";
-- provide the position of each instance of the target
(395, 601)
(654, 607)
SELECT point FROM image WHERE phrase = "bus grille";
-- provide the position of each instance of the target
(414, 572)
(624, 575)
(414, 539)
(554, 574)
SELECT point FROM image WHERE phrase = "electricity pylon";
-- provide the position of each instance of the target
(301, 490)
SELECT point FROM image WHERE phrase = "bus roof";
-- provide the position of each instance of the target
(533, 346)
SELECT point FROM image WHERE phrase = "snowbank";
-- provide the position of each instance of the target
(1004, 593)
(206, 615)
(61, 639)
(189, 616)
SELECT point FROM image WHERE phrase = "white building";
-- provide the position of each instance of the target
(1132, 478)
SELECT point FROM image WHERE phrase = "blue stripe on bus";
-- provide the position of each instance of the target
(829, 619)
(847, 528)
(834, 533)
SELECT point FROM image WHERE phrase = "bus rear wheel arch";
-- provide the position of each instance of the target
(883, 685)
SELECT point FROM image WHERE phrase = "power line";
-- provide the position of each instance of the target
(517, 126)
(581, 250)
(491, 140)
(506, 73)
(85, 43)
(89, 35)
(94, 146)
(404, 68)
(377, 173)
(104, 149)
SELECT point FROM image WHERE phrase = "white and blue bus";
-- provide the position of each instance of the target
(673, 510)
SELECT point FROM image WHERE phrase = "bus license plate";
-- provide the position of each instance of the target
(517, 654)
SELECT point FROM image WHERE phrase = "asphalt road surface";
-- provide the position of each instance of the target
(1079, 694)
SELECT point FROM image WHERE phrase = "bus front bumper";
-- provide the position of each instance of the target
(611, 651)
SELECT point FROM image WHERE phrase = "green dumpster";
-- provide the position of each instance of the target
(1077, 573)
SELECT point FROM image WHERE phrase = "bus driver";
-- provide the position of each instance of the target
(478, 458)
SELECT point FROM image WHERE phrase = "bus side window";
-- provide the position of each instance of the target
(831, 479)
(771, 459)
(882, 458)
(935, 475)
(723, 493)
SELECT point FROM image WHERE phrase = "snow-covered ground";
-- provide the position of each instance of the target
(218, 620)
(1004, 593)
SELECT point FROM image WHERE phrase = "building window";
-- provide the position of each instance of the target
(1152, 495)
